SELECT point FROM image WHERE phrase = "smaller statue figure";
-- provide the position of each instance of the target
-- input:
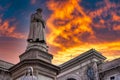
(90, 73)
(29, 74)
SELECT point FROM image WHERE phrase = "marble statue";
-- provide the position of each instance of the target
(29, 74)
(37, 28)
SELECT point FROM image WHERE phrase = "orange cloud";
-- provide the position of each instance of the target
(116, 28)
(116, 17)
(72, 33)
(110, 50)
(68, 27)
(9, 31)
(66, 22)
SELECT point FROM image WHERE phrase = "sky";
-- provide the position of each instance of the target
(72, 27)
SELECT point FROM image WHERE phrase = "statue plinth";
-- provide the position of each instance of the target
(36, 53)
(36, 50)
(37, 45)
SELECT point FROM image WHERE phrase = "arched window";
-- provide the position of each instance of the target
(71, 79)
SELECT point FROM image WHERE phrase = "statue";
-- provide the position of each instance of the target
(29, 74)
(37, 28)
(90, 73)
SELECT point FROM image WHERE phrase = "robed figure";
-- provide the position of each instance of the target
(29, 75)
(37, 28)
(90, 73)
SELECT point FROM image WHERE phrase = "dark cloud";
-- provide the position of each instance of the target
(91, 5)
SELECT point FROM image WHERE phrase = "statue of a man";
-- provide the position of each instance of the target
(29, 74)
(37, 28)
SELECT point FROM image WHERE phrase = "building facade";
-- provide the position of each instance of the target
(90, 65)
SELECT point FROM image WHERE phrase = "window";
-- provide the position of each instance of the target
(112, 78)
(71, 79)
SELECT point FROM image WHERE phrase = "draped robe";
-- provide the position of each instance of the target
(37, 28)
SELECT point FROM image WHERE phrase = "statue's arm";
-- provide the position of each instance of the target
(43, 22)
(38, 18)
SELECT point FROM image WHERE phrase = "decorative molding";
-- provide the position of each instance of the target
(36, 54)
(90, 53)
(41, 46)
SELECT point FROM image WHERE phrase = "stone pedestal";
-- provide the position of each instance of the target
(37, 56)
(37, 45)
(36, 50)
(35, 53)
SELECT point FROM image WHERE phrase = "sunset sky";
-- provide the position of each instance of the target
(72, 27)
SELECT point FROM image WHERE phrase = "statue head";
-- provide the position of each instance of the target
(29, 71)
(39, 10)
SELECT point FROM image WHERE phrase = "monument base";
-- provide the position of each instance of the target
(41, 69)
(37, 45)
(36, 53)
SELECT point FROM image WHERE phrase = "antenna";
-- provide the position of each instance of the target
(71, 56)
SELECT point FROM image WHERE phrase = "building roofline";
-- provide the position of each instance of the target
(110, 65)
(83, 56)
(4, 65)
(6, 62)
(34, 61)
(4, 69)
